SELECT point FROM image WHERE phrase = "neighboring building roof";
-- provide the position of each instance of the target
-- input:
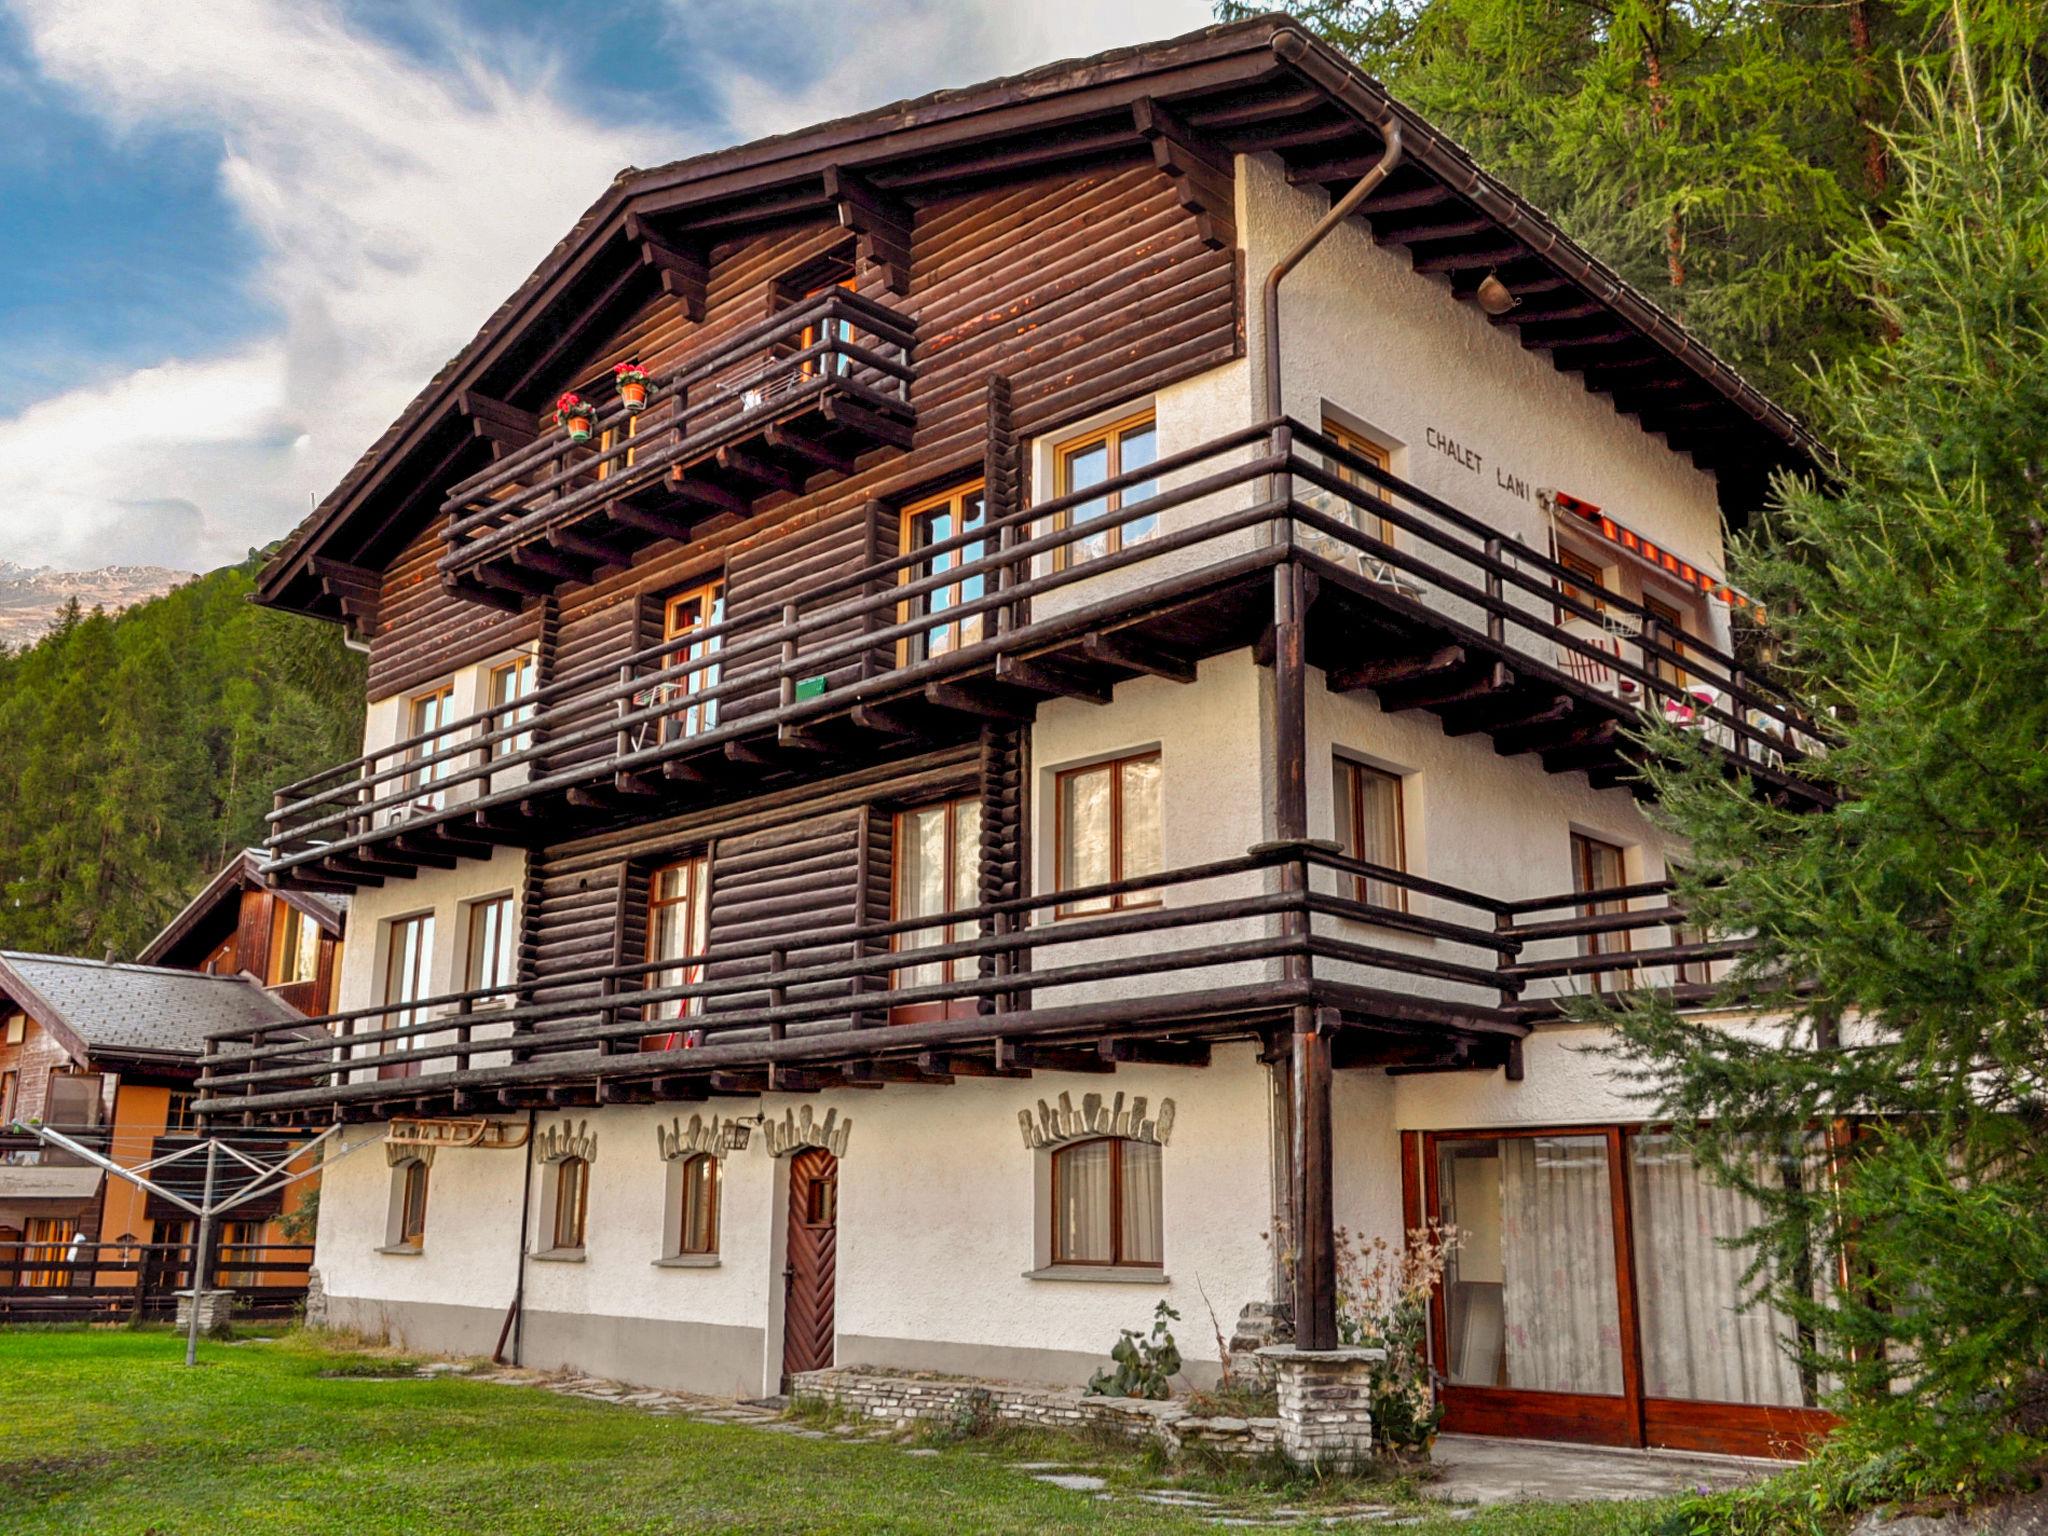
(1251, 86)
(243, 872)
(98, 1008)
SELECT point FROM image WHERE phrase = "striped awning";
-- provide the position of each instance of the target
(1584, 514)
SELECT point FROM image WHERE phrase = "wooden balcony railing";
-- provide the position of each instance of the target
(792, 398)
(1204, 954)
(1421, 602)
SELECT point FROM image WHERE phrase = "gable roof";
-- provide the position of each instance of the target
(243, 872)
(1251, 86)
(98, 1008)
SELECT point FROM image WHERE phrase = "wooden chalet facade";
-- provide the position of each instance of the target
(1012, 779)
(109, 1054)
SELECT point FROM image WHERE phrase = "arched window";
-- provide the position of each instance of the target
(1106, 1203)
(697, 1216)
(412, 1203)
(572, 1194)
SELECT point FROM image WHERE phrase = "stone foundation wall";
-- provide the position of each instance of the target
(904, 1400)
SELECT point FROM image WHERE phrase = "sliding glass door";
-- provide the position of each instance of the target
(1595, 1297)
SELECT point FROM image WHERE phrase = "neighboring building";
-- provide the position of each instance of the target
(109, 1054)
(952, 826)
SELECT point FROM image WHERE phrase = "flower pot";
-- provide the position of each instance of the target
(579, 429)
(633, 395)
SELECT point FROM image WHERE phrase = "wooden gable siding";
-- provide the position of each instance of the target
(1084, 289)
(781, 863)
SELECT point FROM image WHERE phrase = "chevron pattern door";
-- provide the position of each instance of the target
(813, 1262)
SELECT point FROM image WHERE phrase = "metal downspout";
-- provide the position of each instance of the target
(515, 1320)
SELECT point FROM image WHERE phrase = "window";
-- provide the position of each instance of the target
(410, 1224)
(49, 1242)
(430, 712)
(677, 927)
(72, 1100)
(834, 364)
(240, 1255)
(510, 682)
(571, 1204)
(1598, 866)
(697, 1208)
(9, 1081)
(1106, 1204)
(1670, 635)
(294, 945)
(409, 952)
(1373, 454)
(1371, 827)
(686, 614)
(929, 522)
(1108, 831)
(493, 952)
(1590, 582)
(938, 870)
(1099, 456)
(610, 438)
(179, 1120)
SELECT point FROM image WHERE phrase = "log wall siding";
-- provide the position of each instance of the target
(1083, 289)
(781, 862)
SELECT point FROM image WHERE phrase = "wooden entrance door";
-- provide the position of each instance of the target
(813, 1259)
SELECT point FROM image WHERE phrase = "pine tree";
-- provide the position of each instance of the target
(1902, 936)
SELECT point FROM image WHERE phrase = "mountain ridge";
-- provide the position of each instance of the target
(31, 596)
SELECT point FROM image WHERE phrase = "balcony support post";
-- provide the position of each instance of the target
(1315, 1252)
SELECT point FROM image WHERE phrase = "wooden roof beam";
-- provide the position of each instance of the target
(1202, 171)
(1476, 259)
(505, 427)
(684, 274)
(880, 224)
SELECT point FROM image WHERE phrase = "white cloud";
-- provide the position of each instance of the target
(394, 206)
(796, 62)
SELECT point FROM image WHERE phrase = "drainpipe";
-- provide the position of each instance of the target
(1293, 48)
(515, 1320)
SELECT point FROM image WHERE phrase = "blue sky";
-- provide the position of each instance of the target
(239, 234)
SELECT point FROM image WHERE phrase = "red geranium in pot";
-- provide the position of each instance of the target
(577, 414)
(632, 382)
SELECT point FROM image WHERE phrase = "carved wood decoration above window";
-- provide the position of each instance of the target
(568, 1139)
(1054, 1127)
(800, 1128)
(678, 1140)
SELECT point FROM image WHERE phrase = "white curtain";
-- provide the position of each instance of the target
(1081, 1217)
(1697, 1345)
(1142, 1242)
(1563, 1331)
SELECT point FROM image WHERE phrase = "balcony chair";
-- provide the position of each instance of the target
(1338, 552)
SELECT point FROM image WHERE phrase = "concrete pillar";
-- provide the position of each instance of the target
(215, 1308)
(1325, 1405)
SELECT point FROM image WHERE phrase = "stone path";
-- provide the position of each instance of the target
(1472, 1471)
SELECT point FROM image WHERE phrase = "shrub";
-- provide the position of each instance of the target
(1383, 1303)
(1144, 1366)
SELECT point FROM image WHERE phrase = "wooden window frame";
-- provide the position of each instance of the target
(707, 1247)
(1593, 594)
(178, 1117)
(412, 1203)
(1111, 436)
(423, 974)
(954, 499)
(1377, 454)
(479, 910)
(511, 710)
(1116, 1260)
(423, 780)
(697, 867)
(571, 1204)
(1583, 844)
(686, 716)
(285, 918)
(1354, 808)
(1123, 901)
(950, 1008)
(1672, 634)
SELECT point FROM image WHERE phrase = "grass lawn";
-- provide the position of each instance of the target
(107, 1432)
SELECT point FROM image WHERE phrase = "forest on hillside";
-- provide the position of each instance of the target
(144, 748)
(1721, 155)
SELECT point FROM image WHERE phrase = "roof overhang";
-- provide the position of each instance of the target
(1256, 86)
(244, 872)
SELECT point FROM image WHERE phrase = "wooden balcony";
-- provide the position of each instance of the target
(1413, 600)
(783, 407)
(1439, 978)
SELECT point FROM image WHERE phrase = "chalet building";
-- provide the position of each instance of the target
(1010, 786)
(109, 1055)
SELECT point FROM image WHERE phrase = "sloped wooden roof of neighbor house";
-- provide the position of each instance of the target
(139, 1012)
(1256, 86)
(212, 915)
